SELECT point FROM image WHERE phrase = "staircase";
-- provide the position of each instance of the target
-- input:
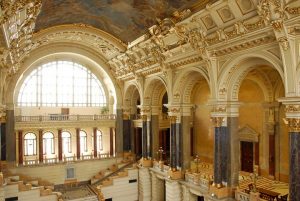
(120, 183)
(25, 188)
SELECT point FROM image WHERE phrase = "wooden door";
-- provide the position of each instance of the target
(247, 156)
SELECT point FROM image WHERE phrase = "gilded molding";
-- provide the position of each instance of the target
(292, 108)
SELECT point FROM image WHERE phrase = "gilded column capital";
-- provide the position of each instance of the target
(144, 117)
(217, 121)
(172, 119)
(293, 124)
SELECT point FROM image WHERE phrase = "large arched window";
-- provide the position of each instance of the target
(30, 144)
(66, 142)
(83, 141)
(61, 83)
(99, 141)
(48, 143)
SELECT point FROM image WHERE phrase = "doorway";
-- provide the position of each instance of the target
(247, 156)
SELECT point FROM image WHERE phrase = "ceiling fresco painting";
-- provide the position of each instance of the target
(124, 19)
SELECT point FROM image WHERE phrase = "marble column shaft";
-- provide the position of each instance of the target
(126, 134)
(149, 139)
(10, 136)
(144, 138)
(186, 142)
(233, 160)
(226, 163)
(173, 145)
(154, 134)
(21, 148)
(294, 165)
(217, 156)
(178, 145)
(95, 142)
(59, 133)
(3, 141)
(78, 143)
(119, 132)
(111, 140)
(41, 151)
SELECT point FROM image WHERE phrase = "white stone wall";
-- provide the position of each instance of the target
(144, 184)
(122, 190)
(56, 174)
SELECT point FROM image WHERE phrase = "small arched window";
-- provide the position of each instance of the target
(48, 143)
(99, 141)
(66, 142)
(83, 141)
(30, 144)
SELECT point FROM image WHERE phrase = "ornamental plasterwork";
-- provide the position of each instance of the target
(18, 20)
(78, 35)
(248, 134)
(284, 43)
(190, 33)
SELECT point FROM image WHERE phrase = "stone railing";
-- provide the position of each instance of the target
(59, 117)
(66, 159)
(198, 179)
(242, 196)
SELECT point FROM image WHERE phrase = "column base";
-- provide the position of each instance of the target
(254, 196)
(221, 192)
(146, 162)
(175, 174)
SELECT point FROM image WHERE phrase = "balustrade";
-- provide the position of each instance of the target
(59, 117)
(66, 159)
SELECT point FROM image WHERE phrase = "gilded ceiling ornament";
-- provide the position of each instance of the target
(19, 16)
(284, 43)
(196, 38)
(240, 28)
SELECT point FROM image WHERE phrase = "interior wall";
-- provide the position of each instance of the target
(253, 114)
(251, 110)
(203, 131)
(56, 174)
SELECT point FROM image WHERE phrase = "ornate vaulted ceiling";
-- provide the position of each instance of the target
(124, 19)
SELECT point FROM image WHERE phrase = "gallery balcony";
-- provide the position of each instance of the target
(58, 120)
